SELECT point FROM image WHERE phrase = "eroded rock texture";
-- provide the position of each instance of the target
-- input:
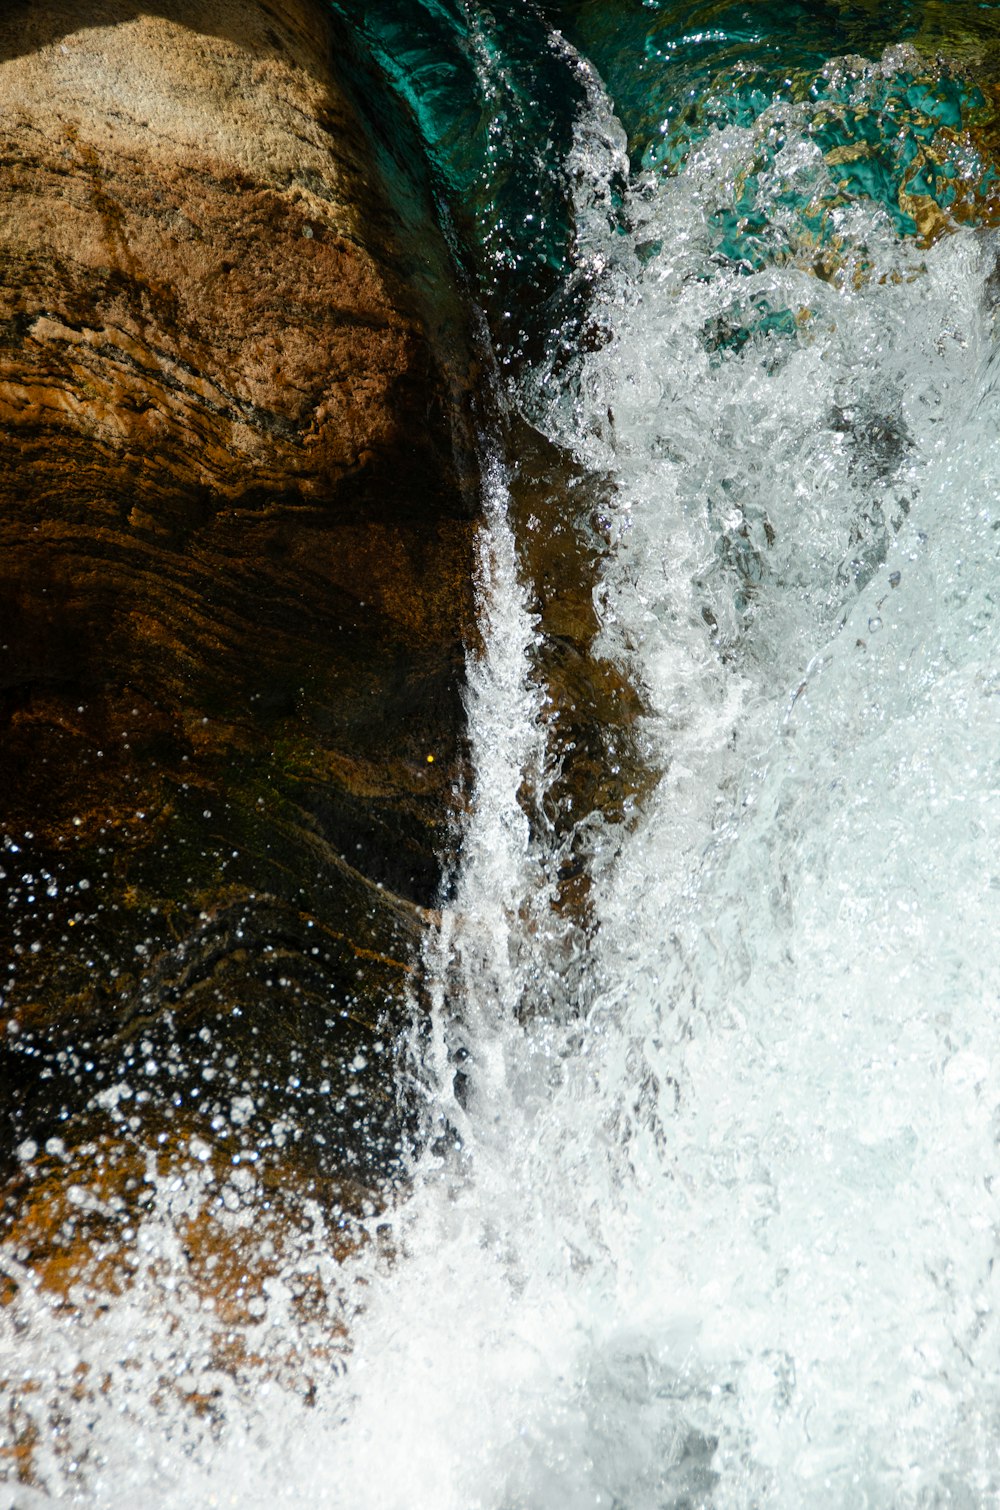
(235, 529)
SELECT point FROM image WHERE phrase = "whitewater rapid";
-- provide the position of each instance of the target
(726, 1236)
(720, 1229)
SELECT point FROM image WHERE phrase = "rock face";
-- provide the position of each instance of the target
(235, 545)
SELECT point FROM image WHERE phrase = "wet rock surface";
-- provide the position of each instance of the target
(593, 712)
(235, 536)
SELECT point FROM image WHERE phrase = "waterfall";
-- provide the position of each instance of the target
(716, 1224)
(725, 1237)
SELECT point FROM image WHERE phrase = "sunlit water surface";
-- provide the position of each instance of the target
(720, 1231)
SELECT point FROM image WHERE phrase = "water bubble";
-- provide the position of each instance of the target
(241, 1109)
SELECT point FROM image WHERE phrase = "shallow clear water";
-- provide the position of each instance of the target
(718, 1228)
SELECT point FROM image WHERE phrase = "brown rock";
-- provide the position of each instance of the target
(593, 712)
(235, 532)
(238, 1267)
(197, 295)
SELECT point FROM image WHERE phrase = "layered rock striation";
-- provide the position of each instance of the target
(236, 515)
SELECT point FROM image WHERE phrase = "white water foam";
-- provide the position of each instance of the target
(799, 942)
(729, 1240)
(727, 1237)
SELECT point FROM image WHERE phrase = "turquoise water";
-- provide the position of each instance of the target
(495, 105)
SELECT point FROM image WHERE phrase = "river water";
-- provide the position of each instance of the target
(704, 1207)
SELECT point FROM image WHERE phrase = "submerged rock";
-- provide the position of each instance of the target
(235, 530)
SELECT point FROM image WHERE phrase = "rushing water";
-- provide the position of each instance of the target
(716, 1224)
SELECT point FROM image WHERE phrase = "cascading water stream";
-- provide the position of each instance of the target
(718, 1226)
